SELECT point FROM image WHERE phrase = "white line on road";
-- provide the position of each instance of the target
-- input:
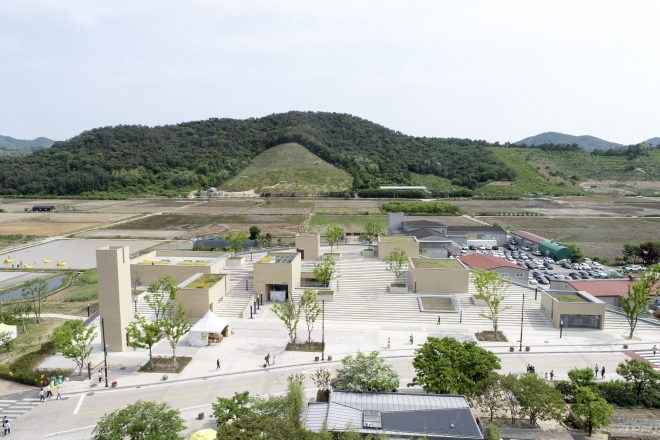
(68, 432)
(82, 396)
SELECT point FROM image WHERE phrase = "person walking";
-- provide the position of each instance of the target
(41, 395)
(596, 371)
(59, 394)
(654, 350)
(552, 375)
(100, 376)
(48, 392)
(267, 359)
(5, 424)
(438, 323)
(389, 343)
(217, 365)
(602, 372)
(411, 339)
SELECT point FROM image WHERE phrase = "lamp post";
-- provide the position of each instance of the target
(135, 302)
(561, 327)
(323, 332)
(522, 311)
(105, 352)
(645, 252)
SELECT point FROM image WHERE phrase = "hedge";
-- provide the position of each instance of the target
(391, 194)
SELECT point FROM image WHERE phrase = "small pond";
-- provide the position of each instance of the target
(53, 283)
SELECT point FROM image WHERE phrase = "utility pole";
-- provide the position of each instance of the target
(323, 332)
(522, 311)
(105, 352)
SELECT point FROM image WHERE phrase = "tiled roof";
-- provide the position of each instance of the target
(477, 228)
(424, 224)
(487, 262)
(529, 236)
(599, 288)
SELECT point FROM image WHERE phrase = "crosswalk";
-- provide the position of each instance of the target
(649, 356)
(13, 408)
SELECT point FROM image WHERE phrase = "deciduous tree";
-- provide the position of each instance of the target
(324, 270)
(592, 409)
(447, 366)
(370, 231)
(333, 233)
(7, 339)
(175, 326)
(491, 287)
(489, 395)
(538, 400)
(21, 310)
(640, 374)
(630, 253)
(366, 373)
(140, 421)
(34, 290)
(309, 306)
(639, 296)
(290, 316)
(397, 262)
(648, 253)
(255, 233)
(74, 341)
(161, 294)
(144, 334)
(510, 383)
(237, 239)
(582, 377)
(578, 253)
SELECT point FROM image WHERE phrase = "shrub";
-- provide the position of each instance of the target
(22, 369)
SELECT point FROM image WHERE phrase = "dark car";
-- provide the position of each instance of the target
(594, 274)
(542, 280)
(513, 241)
(548, 265)
(522, 264)
(583, 273)
(516, 255)
(529, 264)
(494, 248)
(566, 265)
(576, 276)
(472, 247)
(511, 247)
(586, 277)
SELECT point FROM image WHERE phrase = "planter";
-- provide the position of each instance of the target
(625, 345)
(394, 289)
(325, 295)
(368, 253)
(114, 384)
(479, 302)
(200, 416)
(165, 376)
(527, 348)
(335, 256)
(316, 358)
(510, 348)
(235, 261)
(329, 357)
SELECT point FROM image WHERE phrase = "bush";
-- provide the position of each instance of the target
(492, 433)
(391, 194)
(421, 207)
(22, 369)
(617, 392)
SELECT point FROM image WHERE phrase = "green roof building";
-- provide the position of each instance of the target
(555, 250)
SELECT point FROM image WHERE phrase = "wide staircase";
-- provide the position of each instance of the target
(238, 297)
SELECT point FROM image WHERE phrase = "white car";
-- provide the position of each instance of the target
(464, 247)
(537, 253)
(601, 274)
(524, 257)
(463, 251)
(481, 247)
(633, 267)
(532, 281)
(597, 265)
(525, 248)
(585, 266)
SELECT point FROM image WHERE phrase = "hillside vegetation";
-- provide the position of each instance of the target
(588, 143)
(289, 169)
(9, 143)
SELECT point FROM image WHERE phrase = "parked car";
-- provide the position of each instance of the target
(597, 265)
(525, 248)
(463, 251)
(464, 246)
(602, 274)
(513, 241)
(633, 267)
(511, 247)
(566, 265)
(516, 254)
(529, 264)
(522, 264)
(538, 253)
(542, 280)
(548, 265)
(532, 281)
(593, 273)
(542, 268)
(576, 276)
(472, 247)
(524, 256)
(575, 266)
(481, 247)
(494, 247)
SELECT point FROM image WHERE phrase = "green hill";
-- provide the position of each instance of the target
(289, 169)
(588, 143)
(9, 143)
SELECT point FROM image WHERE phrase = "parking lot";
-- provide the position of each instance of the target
(544, 269)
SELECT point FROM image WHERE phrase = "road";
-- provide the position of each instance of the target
(74, 417)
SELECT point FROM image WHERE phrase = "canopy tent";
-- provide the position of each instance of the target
(210, 323)
(9, 328)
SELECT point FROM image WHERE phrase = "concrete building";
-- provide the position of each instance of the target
(387, 244)
(114, 281)
(506, 269)
(309, 246)
(277, 273)
(180, 265)
(608, 291)
(436, 245)
(528, 239)
(438, 275)
(201, 293)
(477, 235)
(573, 309)
(44, 208)
(399, 415)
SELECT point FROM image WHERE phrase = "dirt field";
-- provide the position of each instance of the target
(187, 222)
(347, 204)
(129, 233)
(53, 224)
(277, 230)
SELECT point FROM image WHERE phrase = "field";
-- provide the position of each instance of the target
(289, 169)
(350, 223)
(599, 237)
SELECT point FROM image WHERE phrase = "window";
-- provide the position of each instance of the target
(504, 275)
(520, 275)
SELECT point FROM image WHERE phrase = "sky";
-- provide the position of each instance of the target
(494, 70)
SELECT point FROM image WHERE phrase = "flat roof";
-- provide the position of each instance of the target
(599, 288)
(529, 236)
(397, 239)
(488, 262)
(436, 263)
(178, 261)
(424, 224)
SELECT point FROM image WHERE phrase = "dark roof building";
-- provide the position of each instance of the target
(43, 208)
(397, 415)
(533, 238)
(219, 243)
(487, 262)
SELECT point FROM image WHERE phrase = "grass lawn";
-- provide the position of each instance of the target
(350, 223)
(436, 263)
(303, 346)
(164, 364)
(293, 169)
(36, 335)
(204, 282)
(17, 239)
(569, 298)
(88, 293)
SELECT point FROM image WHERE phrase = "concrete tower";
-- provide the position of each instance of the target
(114, 281)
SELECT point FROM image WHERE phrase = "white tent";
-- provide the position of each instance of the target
(210, 323)
(9, 328)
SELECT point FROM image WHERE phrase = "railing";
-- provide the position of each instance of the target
(89, 320)
(644, 317)
(248, 308)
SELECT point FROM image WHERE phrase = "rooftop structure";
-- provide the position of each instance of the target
(533, 238)
(486, 262)
(397, 415)
(276, 275)
(387, 244)
(573, 309)
(438, 275)
(181, 265)
(608, 291)
(405, 188)
(436, 263)
(397, 239)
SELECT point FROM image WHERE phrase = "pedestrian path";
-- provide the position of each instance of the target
(649, 356)
(13, 408)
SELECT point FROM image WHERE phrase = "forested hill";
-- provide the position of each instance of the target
(588, 143)
(9, 143)
(133, 159)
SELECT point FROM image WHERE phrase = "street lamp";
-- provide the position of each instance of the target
(561, 327)
(645, 252)
(323, 332)
(135, 302)
(522, 315)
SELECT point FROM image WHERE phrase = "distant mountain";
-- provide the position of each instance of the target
(10, 143)
(588, 143)
(653, 141)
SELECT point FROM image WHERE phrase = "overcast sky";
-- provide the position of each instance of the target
(494, 70)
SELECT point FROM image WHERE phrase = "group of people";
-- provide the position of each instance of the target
(531, 369)
(48, 393)
(602, 372)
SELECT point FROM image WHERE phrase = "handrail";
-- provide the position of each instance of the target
(246, 310)
(89, 320)
(619, 311)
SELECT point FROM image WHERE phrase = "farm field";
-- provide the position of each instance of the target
(53, 224)
(186, 222)
(289, 169)
(599, 237)
(350, 223)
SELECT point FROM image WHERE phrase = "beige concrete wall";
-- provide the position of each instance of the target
(197, 302)
(311, 244)
(271, 273)
(385, 247)
(114, 281)
(439, 280)
(570, 308)
(149, 274)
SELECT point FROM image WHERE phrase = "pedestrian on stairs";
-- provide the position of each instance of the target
(438, 320)
(654, 350)
(596, 371)
(552, 374)
(389, 343)
(267, 359)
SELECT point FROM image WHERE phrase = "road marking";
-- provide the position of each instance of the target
(69, 431)
(82, 397)
(8, 401)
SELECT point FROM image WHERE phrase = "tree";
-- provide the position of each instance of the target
(333, 234)
(578, 253)
(145, 334)
(267, 239)
(630, 253)
(233, 408)
(175, 325)
(366, 373)
(324, 270)
(161, 294)
(295, 398)
(255, 233)
(290, 316)
(7, 339)
(447, 366)
(21, 310)
(538, 400)
(492, 433)
(370, 231)
(582, 377)
(510, 383)
(310, 307)
(592, 409)
(491, 287)
(321, 379)
(264, 428)
(136, 277)
(397, 262)
(639, 296)
(34, 290)
(640, 374)
(489, 395)
(140, 420)
(237, 239)
(74, 341)
(649, 253)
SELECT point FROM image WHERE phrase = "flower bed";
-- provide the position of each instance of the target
(192, 263)
(204, 282)
(155, 262)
